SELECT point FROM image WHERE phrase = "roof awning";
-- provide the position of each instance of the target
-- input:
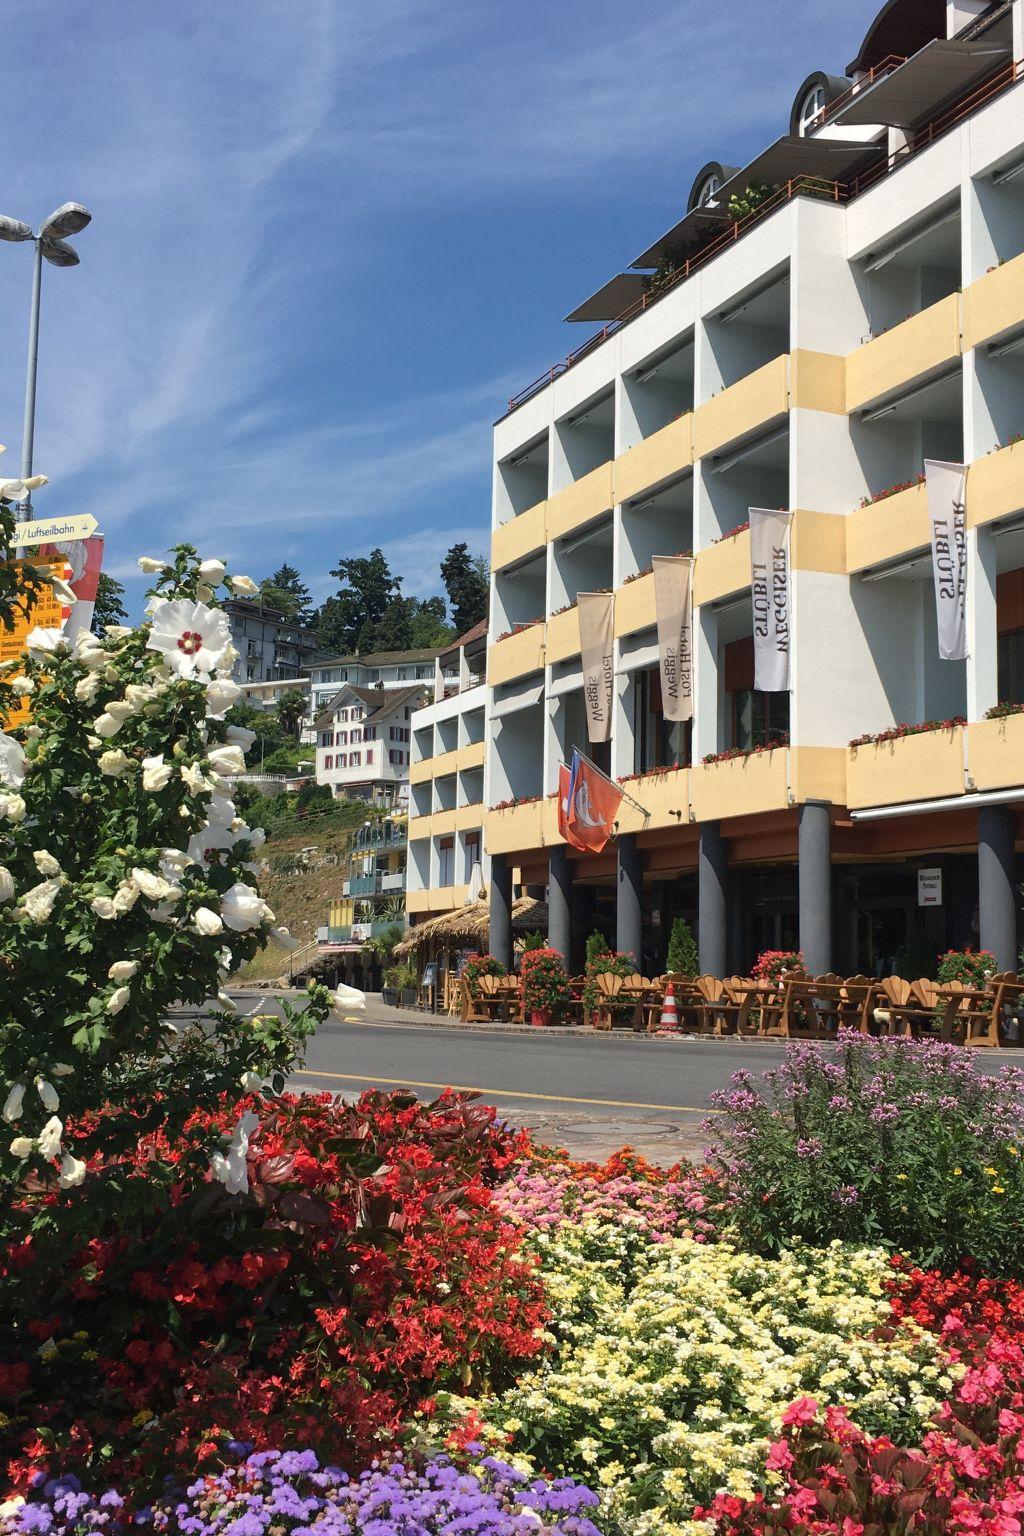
(942, 70)
(695, 226)
(609, 302)
(793, 156)
(523, 699)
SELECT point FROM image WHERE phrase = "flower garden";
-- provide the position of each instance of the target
(228, 1309)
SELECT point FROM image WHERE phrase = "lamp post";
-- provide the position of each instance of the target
(50, 241)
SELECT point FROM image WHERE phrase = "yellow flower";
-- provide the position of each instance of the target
(997, 1189)
(901, 1176)
(993, 1173)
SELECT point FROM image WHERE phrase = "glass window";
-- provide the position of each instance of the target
(472, 843)
(708, 190)
(657, 742)
(1011, 667)
(403, 673)
(759, 718)
(342, 760)
(356, 735)
(328, 762)
(356, 759)
(812, 104)
(446, 860)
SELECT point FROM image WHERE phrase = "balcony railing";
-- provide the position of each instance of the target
(799, 186)
(369, 839)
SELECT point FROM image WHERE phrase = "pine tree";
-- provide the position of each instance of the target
(466, 581)
(683, 958)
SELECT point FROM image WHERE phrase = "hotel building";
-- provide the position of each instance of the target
(808, 355)
(447, 862)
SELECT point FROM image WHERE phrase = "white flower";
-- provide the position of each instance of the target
(195, 779)
(212, 572)
(118, 999)
(226, 1001)
(205, 845)
(221, 811)
(46, 863)
(47, 642)
(49, 1138)
(245, 585)
(12, 762)
(121, 710)
(106, 725)
(13, 807)
(251, 1081)
(206, 922)
(138, 695)
(154, 887)
(21, 1146)
(242, 908)
(113, 762)
(6, 884)
(87, 688)
(349, 1000)
(123, 970)
(220, 696)
(103, 907)
(283, 939)
(125, 897)
(48, 1093)
(224, 760)
(240, 736)
(47, 1351)
(13, 1103)
(38, 902)
(93, 657)
(191, 637)
(24, 687)
(229, 1167)
(117, 631)
(225, 959)
(72, 1171)
(156, 774)
(174, 858)
(149, 567)
(61, 1069)
(256, 836)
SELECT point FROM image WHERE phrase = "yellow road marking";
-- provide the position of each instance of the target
(509, 1093)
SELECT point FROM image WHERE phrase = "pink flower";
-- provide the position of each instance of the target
(779, 1458)
(804, 1411)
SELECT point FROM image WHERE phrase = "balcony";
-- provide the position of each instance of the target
(582, 501)
(634, 605)
(741, 786)
(995, 486)
(994, 304)
(924, 766)
(394, 881)
(995, 753)
(517, 655)
(520, 536)
(515, 827)
(656, 459)
(437, 898)
(748, 406)
(373, 838)
(664, 795)
(563, 636)
(722, 568)
(348, 933)
(887, 529)
(921, 345)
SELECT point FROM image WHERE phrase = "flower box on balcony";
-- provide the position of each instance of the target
(923, 765)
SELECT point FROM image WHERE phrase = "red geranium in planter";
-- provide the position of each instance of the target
(545, 984)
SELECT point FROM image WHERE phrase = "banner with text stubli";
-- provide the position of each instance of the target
(597, 638)
(674, 610)
(945, 486)
(771, 594)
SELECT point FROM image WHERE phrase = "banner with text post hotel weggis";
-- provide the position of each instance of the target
(770, 595)
(674, 608)
(945, 487)
(597, 638)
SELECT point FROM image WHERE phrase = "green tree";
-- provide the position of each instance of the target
(285, 589)
(682, 949)
(110, 608)
(18, 583)
(465, 578)
(291, 710)
(349, 620)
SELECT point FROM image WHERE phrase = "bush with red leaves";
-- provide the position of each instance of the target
(365, 1268)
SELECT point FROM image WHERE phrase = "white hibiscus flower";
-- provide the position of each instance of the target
(191, 637)
(12, 762)
(228, 1167)
(243, 908)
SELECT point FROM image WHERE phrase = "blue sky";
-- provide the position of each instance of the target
(330, 239)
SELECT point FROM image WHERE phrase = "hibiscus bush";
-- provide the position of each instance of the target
(127, 881)
(358, 1265)
(886, 1141)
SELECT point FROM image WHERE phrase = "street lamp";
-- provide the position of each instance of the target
(50, 241)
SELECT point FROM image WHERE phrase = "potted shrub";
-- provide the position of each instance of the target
(481, 965)
(545, 985)
(971, 966)
(612, 963)
(773, 964)
(682, 949)
(389, 991)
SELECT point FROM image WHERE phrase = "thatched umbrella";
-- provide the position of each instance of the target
(472, 922)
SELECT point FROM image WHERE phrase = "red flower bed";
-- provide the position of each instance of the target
(967, 1476)
(897, 732)
(366, 1268)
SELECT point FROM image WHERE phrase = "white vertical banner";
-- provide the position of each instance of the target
(946, 486)
(770, 594)
(597, 638)
(674, 608)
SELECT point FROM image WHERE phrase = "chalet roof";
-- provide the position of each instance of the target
(378, 702)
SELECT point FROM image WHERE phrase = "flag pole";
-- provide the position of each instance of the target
(609, 780)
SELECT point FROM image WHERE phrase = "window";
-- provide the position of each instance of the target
(472, 845)
(356, 735)
(813, 103)
(341, 738)
(759, 718)
(403, 673)
(369, 733)
(1010, 633)
(657, 742)
(327, 738)
(446, 861)
(328, 762)
(708, 189)
(341, 761)
(355, 759)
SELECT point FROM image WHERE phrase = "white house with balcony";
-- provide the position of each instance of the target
(363, 743)
(377, 669)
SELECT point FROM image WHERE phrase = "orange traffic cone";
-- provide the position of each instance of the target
(669, 1011)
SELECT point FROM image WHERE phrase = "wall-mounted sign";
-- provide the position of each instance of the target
(929, 887)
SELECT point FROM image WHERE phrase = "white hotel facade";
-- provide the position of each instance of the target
(867, 316)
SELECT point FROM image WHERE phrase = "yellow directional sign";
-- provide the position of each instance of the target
(47, 613)
(54, 530)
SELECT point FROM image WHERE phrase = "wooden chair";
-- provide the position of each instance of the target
(721, 1007)
(796, 1015)
(1008, 992)
(638, 989)
(858, 998)
(689, 1003)
(474, 1008)
(903, 1007)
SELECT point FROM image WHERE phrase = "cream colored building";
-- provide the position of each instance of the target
(868, 315)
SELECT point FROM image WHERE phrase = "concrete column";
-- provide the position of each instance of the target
(997, 909)
(501, 910)
(815, 881)
(629, 897)
(559, 901)
(712, 904)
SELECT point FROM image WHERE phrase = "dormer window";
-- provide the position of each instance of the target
(812, 105)
(709, 187)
